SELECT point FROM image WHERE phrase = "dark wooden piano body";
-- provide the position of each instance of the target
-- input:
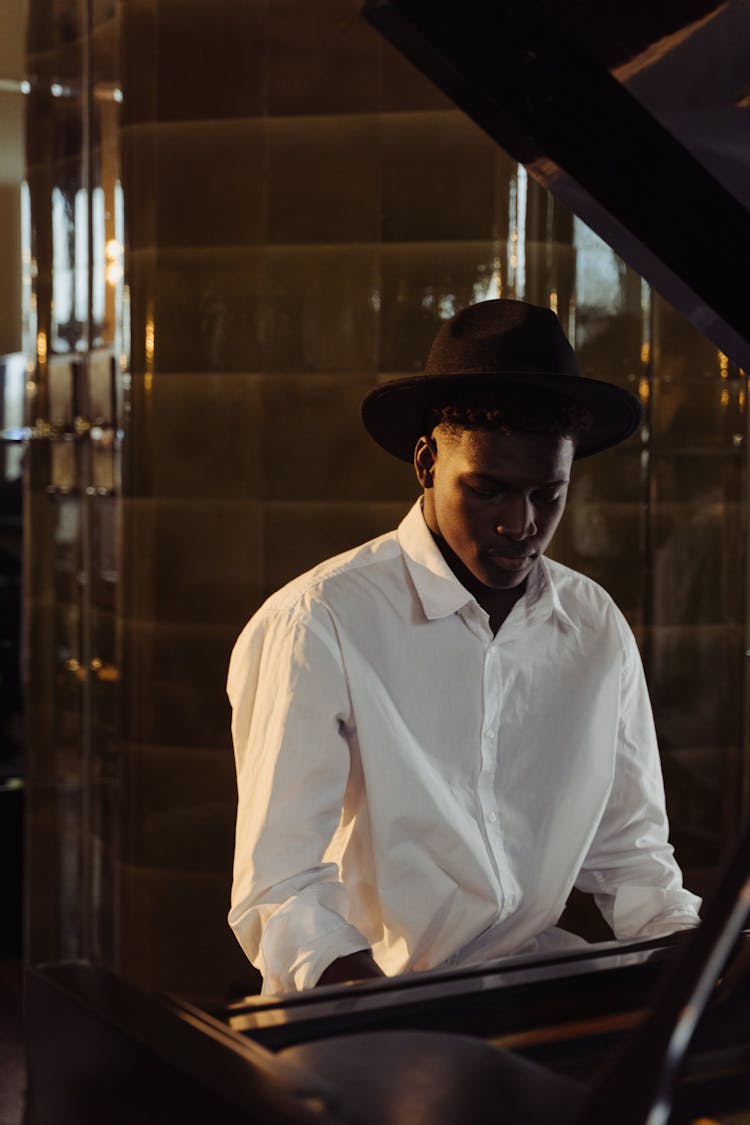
(102, 1052)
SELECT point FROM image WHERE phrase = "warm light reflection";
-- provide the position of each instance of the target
(150, 336)
(41, 346)
(516, 246)
(723, 366)
(149, 345)
(644, 390)
(108, 674)
(741, 399)
(124, 333)
(29, 272)
(98, 254)
(121, 291)
(645, 321)
(553, 300)
(724, 397)
(523, 184)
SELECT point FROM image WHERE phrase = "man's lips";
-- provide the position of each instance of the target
(507, 560)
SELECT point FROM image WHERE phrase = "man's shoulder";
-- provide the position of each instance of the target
(583, 599)
(317, 602)
(369, 563)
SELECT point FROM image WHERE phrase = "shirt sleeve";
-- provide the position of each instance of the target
(290, 709)
(630, 866)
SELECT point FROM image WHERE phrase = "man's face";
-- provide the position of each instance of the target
(493, 499)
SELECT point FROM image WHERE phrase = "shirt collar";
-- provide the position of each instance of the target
(542, 598)
(437, 587)
(440, 592)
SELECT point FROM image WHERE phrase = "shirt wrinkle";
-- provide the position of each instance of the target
(411, 784)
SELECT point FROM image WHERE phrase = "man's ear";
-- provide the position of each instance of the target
(425, 454)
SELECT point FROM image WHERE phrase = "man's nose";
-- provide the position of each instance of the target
(515, 520)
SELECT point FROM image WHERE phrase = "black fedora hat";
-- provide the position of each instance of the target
(495, 345)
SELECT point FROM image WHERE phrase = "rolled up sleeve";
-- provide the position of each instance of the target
(630, 866)
(290, 714)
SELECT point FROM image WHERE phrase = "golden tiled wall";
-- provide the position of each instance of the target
(301, 209)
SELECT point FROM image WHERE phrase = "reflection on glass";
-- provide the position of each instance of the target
(517, 196)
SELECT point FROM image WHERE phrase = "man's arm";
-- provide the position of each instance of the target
(630, 866)
(290, 711)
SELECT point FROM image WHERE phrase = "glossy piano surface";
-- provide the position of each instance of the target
(634, 115)
(508, 1001)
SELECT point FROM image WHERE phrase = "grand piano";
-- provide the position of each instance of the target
(620, 1034)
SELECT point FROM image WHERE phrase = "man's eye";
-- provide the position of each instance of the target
(479, 491)
(550, 497)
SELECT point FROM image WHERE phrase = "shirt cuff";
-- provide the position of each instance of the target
(645, 912)
(310, 962)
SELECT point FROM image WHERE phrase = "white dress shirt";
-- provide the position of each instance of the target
(410, 783)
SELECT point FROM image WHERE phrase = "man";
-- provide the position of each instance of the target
(440, 733)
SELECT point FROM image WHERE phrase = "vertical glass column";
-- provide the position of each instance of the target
(100, 430)
(74, 314)
(58, 178)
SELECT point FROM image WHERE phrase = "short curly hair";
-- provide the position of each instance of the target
(512, 410)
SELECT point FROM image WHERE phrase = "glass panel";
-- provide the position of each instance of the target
(76, 305)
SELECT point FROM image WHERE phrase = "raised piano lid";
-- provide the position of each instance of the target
(638, 119)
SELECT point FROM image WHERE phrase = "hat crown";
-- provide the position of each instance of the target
(491, 347)
(501, 336)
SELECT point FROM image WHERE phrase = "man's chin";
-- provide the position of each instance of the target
(501, 573)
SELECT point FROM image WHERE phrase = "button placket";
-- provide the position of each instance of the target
(492, 687)
(491, 725)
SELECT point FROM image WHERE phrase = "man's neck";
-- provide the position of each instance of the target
(502, 604)
(497, 604)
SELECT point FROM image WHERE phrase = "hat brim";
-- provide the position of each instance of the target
(394, 414)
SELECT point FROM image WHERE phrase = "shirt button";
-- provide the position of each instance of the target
(491, 733)
(492, 817)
